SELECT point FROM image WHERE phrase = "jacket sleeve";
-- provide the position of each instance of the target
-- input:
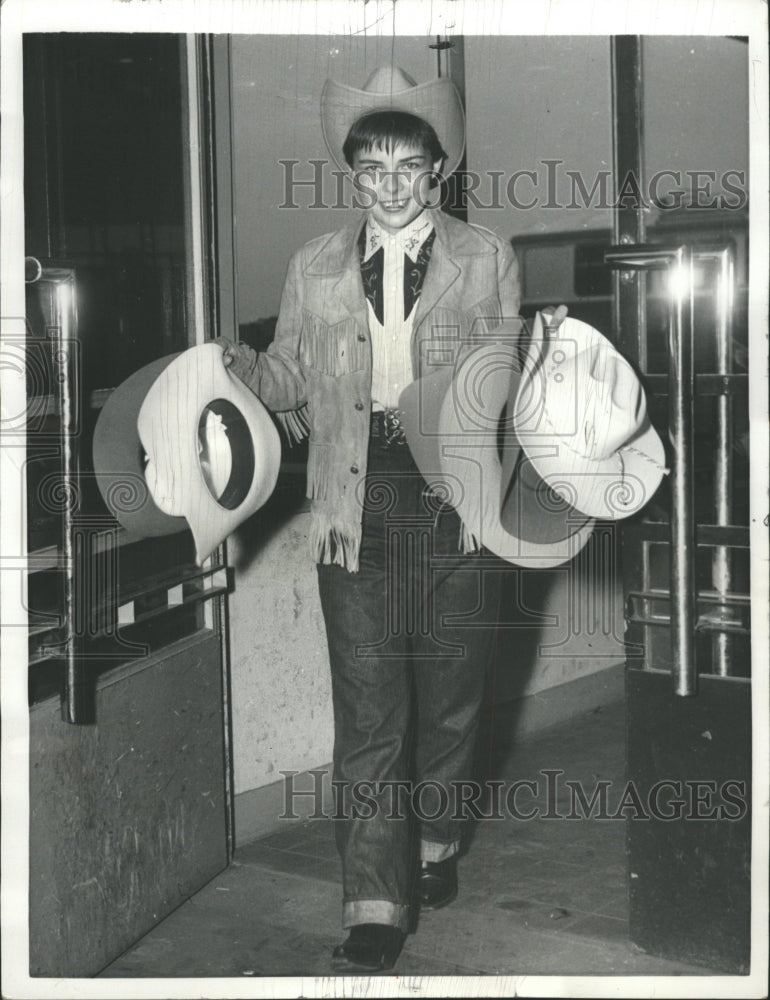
(508, 282)
(275, 375)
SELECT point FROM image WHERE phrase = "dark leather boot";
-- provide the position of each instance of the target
(369, 948)
(437, 883)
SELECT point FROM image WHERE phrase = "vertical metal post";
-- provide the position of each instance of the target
(629, 319)
(721, 567)
(678, 261)
(680, 427)
(629, 300)
(74, 699)
(198, 277)
(206, 100)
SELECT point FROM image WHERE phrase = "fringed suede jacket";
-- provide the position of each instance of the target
(317, 374)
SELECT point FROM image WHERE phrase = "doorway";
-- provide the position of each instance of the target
(130, 806)
(681, 310)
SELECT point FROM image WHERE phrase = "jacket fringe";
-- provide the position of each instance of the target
(294, 424)
(331, 545)
(484, 316)
(468, 541)
(319, 472)
(334, 350)
(479, 510)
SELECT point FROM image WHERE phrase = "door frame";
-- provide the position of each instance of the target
(669, 718)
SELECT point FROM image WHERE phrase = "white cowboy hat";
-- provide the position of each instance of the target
(466, 449)
(213, 452)
(581, 416)
(437, 102)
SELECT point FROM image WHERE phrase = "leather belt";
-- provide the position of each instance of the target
(387, 428)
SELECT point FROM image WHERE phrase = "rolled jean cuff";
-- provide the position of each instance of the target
(375, 911)
(430, 850)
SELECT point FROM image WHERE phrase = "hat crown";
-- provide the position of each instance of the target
(389, 80)
(390, 88)
(214, 472)
(594, 401)
(581, 417)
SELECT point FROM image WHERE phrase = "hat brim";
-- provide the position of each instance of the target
(117, 457)
(612, 488)
(452, 420)
(437, 102)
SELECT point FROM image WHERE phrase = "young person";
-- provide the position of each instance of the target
(365, 311)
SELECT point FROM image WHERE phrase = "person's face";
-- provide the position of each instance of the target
(397, 180)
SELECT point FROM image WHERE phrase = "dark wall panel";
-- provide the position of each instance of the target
(690, 877)
(127, 816)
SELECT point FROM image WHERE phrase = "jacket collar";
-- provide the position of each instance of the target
(340, 250)
(338, 257)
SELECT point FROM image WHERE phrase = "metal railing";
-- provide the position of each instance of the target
(677, 261)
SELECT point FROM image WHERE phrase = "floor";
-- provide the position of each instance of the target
(543, 896)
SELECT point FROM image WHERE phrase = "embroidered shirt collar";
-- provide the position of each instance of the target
(409, 239)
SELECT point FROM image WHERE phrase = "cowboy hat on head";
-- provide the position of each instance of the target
(581, 416)
(212, 450)
(390, 88)
(458, 427)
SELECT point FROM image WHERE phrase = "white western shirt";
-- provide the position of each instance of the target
(391, 339)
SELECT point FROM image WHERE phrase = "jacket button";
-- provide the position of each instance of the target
(354, 469)
(361, 337)
(359, 405)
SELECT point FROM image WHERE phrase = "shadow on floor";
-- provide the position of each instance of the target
(540, 896)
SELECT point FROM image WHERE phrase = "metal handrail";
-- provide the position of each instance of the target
(676, 259)
(721, 567)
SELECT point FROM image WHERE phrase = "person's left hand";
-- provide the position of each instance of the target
(228, 350)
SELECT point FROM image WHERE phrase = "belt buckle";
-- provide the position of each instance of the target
(392, 427)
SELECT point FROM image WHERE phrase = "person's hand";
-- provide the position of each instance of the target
(554, 317)
(228, 351)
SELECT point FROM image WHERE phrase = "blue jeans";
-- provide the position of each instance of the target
(410, 637)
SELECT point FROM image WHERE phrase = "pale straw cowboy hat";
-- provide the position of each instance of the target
(458, 427)
(581, 416)
(212, 450)
(389, 87)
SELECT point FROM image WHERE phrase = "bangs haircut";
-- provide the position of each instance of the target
(384, 129)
